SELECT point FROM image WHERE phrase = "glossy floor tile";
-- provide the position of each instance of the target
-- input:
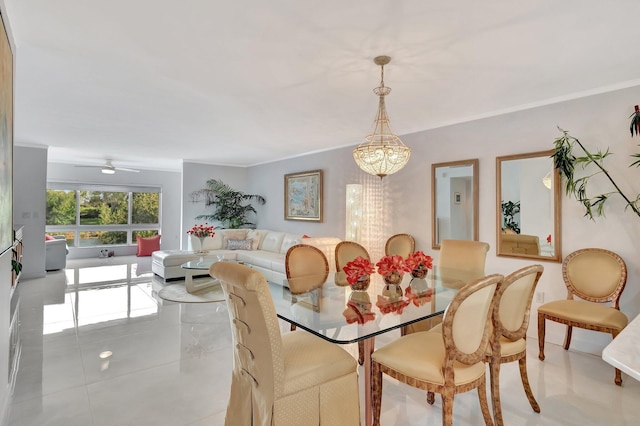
(99, 347)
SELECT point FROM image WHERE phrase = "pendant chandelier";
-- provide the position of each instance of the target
(382, 152)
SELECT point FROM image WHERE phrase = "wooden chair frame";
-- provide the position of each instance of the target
(495, 358)
(399, 236)
(613, 297)
(452, 354)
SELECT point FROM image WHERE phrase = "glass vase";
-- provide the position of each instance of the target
(362, 284)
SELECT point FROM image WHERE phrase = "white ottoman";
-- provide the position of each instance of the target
(166, 263)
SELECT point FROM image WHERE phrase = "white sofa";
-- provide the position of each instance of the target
(267, 253)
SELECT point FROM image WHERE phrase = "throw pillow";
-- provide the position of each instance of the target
(48, 237)
(146, 246)
(239, 244)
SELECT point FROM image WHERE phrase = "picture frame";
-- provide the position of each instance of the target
(6, 140)
(303, 196)
(457, 198)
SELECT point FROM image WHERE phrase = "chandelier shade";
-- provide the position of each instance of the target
(382, 152)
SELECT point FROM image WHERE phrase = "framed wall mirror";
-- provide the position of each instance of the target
(528, 207)
(454, 201)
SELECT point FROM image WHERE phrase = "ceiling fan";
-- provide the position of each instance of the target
(108, 168)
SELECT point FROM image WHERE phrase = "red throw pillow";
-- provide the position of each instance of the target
(306, 236)
(48, 237)
(146, 246)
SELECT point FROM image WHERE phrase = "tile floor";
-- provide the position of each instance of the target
(99, 347)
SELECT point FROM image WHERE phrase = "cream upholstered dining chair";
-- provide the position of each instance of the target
(510, 321)
(459, 259)
(594, 275)
(289, 379)
(400, 244)
(450, 362)
(306, 268)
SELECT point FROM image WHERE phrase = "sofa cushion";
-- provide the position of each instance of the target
(146, 246)
(233, 234)
(255, 235)
(288, 241)
(262, 259)
(272, 241)
(239, 244)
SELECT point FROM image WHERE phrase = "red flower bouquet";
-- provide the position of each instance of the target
(549, 238)
(419, 263)
(201, 231)
(357, 268)
(392, 268)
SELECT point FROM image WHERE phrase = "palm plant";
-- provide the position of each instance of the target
(231, 207)
(565, 161)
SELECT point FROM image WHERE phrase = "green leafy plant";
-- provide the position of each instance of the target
(231, 206)
(509, 211)
(566, 162)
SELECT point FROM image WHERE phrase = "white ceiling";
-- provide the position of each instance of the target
(149, 83)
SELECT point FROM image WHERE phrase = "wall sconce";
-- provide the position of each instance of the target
(353, 223)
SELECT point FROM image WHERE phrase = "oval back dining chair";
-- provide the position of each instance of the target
(594, 275)
(400, 244)
(306, 268)
(447, 363)
(510, 321)
(286, 380)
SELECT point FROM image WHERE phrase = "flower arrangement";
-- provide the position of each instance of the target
(357, 268)
(390, 264)
(549, 238)
(419, 263)
(392, 268)
(201, 231)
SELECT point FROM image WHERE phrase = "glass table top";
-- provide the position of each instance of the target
(340, 315)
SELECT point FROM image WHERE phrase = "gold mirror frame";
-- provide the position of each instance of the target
(466, 198)
(525, 242)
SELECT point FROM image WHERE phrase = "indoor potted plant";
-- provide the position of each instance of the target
(231, 207)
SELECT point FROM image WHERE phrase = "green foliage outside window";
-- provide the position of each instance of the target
(61, 207)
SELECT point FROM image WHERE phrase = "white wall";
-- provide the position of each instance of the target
(402, 202)
(171, 198)
(29, 205)
(194, 178)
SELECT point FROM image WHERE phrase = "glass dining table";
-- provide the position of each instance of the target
(340, 315)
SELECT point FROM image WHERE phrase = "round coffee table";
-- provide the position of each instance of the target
(191, 268)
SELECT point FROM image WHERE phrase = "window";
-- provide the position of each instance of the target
(96, 215)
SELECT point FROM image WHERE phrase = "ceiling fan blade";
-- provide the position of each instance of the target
(124, 169)
(87, 166)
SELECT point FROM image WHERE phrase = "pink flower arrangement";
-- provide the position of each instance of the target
(389, 264)
(549, 238)
(201, 231)
(418, 258)
(358, 267)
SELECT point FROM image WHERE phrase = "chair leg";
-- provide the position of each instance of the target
(293, 327)
(360, 352)
(567, 338)
(494, 379)
(618, 378)
(376, 392)
(431, 398)
(447, 407)
(482, 396)
(541, 332)
(522, 363)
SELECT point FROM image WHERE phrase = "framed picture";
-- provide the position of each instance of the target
(6, 140)
(457, 198)
(303, 196)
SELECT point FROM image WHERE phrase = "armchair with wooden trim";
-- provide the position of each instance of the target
(287, 380)
(596, 276)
